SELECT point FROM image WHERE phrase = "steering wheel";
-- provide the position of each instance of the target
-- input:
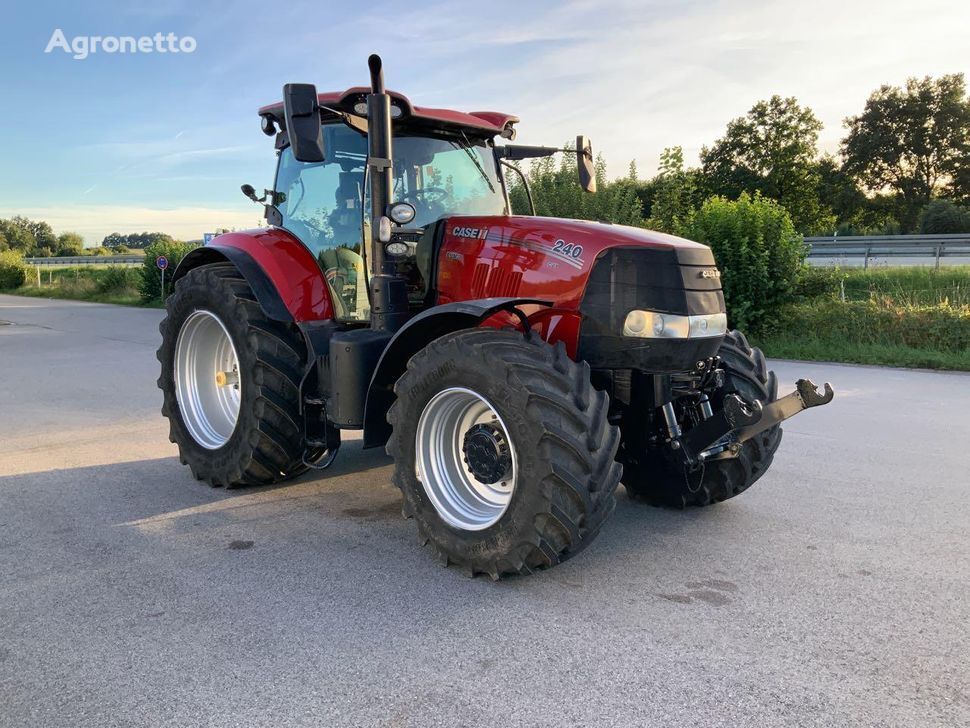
(431, 198)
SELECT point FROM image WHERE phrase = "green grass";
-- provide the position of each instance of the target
(892, 355)
(910, 286)
(895, 317)
(99, 284)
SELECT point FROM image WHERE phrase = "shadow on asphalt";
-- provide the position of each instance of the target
(349, 514)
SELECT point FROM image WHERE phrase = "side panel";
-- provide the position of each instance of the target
(290, 268)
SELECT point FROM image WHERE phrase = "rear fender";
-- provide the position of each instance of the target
(409, 340)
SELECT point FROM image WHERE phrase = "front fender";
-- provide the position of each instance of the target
(284, 275)
(409, 340)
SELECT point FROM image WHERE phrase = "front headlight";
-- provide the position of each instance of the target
(656, 325)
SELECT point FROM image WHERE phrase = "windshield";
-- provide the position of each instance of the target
(320, 202)
(446, 176)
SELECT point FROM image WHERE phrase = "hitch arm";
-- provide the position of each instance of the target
(806, 395)
(738, 421)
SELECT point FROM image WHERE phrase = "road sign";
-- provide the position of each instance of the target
(207, 238)
(162, 262)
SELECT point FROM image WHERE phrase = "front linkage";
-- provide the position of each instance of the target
(720, 435)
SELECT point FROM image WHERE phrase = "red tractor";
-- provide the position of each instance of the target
(516, 368)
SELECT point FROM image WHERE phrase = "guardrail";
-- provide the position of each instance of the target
(888, 246)
(89, 260)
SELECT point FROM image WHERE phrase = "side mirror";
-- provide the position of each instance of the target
(302, 114)
(584, 160)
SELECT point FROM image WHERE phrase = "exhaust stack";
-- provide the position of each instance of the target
(388, 292)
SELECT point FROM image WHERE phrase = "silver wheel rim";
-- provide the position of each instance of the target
(207, 382)
(461, 498)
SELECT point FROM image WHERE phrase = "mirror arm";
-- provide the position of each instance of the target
(518, 152)
(525, 183)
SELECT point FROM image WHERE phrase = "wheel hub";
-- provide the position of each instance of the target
(207, 382)
(465, 459)
(487, 453)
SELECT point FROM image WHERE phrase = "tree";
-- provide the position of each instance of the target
(69, 244)
(856, 212)
(772, 150)
(135, 240)
(41, 232)
(3, 241)
(18, 236)
(914, 141)
(676, 193)
(557, 193)
(941, 217)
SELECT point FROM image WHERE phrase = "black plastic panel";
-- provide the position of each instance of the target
(681, 281)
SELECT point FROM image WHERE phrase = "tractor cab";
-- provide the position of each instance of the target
(366, 179)
(327, 204)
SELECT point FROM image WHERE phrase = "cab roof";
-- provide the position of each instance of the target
(487, 123)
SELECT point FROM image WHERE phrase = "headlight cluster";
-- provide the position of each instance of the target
(655, 325)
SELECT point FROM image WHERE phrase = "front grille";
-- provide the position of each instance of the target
(669, 280)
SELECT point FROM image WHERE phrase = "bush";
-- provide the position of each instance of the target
(13, 270)
(70, 244)
(118, 280)
(941, 217)
(760, 255)
(150, 285)
(819, 283)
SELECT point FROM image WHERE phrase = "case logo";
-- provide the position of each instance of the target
(470, 232)
(710, 273)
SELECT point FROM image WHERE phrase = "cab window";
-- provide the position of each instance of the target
(321, 205)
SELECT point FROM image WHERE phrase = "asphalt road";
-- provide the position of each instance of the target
(834, 593)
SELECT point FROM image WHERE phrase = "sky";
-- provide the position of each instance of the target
(162, 141)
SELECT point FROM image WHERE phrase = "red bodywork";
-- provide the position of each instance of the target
(492, 122)
(533, 257)
(291, 268)
(480, 257)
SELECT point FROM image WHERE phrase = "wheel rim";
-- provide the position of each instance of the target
(207, 381)
(461, 444)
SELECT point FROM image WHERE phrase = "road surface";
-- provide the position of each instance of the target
(834, 593)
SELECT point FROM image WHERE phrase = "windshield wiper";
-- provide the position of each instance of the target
(471, 156)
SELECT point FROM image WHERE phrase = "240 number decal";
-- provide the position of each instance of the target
(567, 249)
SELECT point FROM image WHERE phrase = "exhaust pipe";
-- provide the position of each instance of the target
(388, 292)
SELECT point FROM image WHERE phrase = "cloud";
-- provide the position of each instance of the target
(94, 222)
(640, 75)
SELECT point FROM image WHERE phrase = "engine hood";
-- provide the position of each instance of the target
(547, 257)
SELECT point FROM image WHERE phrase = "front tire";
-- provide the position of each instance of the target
(503, 451)
(658, 477)
(240, 426)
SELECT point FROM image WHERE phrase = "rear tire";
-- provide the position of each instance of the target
(266, 444)
(658, 478)
(560, 451)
